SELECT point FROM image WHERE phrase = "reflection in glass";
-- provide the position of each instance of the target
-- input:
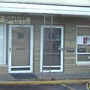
(55, 59)
(52, 47)
(21, 46)
(56, 47)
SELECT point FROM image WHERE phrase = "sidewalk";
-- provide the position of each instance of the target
(17, 77)
(61, 76)
(45, 76)
(37, 79)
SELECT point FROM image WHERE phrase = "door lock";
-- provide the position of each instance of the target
(62, 49)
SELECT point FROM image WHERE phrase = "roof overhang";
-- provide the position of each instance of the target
(43, 9)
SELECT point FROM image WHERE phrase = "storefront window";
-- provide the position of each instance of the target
(83, 44)
(2, 44)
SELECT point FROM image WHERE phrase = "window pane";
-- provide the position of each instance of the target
(84, 48)
(47, 33)
(55, 59)
(56, 34)
(81, 48)
(2, 45)
(20, 46)
(83, 44)
(47, 46)
(56, 47)
(51, 68)
(83, 31)
(46, 59)
(83, 57)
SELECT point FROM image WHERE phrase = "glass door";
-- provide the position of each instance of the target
(52, 49)
(20, 49)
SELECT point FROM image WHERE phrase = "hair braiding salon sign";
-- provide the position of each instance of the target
(15, 20)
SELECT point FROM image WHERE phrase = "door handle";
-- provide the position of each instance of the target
(9, 49)
(62, 49)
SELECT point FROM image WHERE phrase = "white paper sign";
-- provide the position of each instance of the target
(81, 38)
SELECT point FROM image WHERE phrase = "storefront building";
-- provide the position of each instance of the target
(36, 38)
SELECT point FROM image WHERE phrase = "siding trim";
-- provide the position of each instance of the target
(48, 9)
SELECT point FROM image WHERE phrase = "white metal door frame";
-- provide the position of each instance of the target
(10, 52)
(41, 49)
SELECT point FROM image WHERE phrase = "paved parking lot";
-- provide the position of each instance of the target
(78, 86)
(45, 87)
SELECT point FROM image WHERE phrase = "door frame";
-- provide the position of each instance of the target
(41, 47)
(10, 53)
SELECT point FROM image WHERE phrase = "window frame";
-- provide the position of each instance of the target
(81, 62)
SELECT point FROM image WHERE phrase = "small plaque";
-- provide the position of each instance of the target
(20, 48)
(70, 49)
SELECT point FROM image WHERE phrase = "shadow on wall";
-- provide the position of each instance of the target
(24, 76)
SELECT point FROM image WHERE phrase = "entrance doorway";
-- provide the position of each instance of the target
(20, 49)
(51, 49)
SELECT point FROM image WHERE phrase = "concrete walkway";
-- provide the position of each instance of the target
(56, 76)
(19, 77)
(55, 81)
(65, 75)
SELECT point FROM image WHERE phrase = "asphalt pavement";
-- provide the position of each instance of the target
(45, 87)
